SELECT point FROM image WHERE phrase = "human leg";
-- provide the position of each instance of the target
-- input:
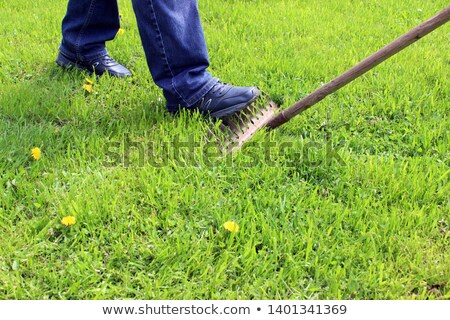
(175, 47)
(177, 56)
(87, 25)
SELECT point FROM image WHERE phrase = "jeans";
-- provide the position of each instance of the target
(171, 35)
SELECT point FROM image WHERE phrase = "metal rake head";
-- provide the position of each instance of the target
(240, 127)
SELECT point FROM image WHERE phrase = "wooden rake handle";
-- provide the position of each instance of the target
(361, 68)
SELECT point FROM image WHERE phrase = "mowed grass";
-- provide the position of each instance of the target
(356, 207)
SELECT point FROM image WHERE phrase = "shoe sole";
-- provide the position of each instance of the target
(234, 108)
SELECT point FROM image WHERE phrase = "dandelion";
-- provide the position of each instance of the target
(89, 81)
(68, 221)
(36, 153)
(87, 87)
(231, 226)
(120, 31)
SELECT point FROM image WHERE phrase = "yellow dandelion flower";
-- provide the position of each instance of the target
(68, 220)
(89, 81)
(231, 226)
(36, 153)
(87, 87)
(120, 31)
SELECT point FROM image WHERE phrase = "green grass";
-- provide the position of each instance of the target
(374, 226)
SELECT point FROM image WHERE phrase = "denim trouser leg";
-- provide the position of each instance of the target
(175, 47)
(88, 24)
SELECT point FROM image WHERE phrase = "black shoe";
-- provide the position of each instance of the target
(223, 100)
(98, 66)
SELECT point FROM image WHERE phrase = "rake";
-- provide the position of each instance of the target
(240, 127)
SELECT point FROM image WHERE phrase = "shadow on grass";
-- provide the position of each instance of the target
(56, 96)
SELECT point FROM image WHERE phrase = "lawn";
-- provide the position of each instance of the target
(350, 200)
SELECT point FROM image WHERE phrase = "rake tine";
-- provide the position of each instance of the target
(249, 115)
(242, 126)
(243, 123)
(225, 128)
(228, 121)
(253, 110)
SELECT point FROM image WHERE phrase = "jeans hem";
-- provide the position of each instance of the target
(84, 58)
(201, 93)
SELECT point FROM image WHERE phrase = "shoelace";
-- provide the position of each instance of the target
(218, 87)
(107, 60)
